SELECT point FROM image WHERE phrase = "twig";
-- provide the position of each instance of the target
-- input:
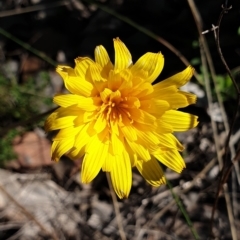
(204, 44)
(177, 190)
(28, 214)
(230, 212)
(228, 144)
(116, 209)
(203, 41)
(33, 8)
(224, 11)
(205, 50)
(220, 159)
(226, 173)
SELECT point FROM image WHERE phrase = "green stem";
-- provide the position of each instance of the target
(184, 212)
(28, 47)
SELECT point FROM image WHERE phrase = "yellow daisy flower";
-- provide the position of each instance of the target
(118, 120)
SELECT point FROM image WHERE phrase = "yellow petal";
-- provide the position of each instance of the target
(151, 171)
(145, 127)
(130, 102)
(105, 94)
(160, 91)
(178, 79)
(67, 132)
(51, 118)
(100, 123)
(172, 159)
(66, 100)
(147, 138)
(54, 146)
(83, 103)
(68, 111)
(124, 117)
(115, 96)
(126, 80)
(142, 90)
(158, 107)
(114, 80)
(84, 117)
(123, 58)
(82, 65)
(176, 100)
(129, 132)
(90, 130)
(141, 116)
(59, 123)
(76, 154)
(81, 139)
(179, 121)
(61, 147)
(163, 127)
(114, 127)
(152, 63)
(168, 140)
(132, 156)
(95, 73)
(121, 175)
(107, 165)
(140, 150)
(117, 144)
(96, 153)
(94, 76)
(62, 118)
(191, 98)
(101, 56)
(74, 83)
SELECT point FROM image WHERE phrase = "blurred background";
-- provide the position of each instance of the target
(40, 199)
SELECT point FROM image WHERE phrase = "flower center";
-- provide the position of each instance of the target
(110, 111)
(116, 108)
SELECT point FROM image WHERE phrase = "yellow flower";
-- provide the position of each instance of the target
(118, 120)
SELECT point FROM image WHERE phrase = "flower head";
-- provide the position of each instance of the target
(116, 119)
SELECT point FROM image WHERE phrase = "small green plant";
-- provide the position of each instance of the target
(6, 152)
(226, 87)
(19, 102)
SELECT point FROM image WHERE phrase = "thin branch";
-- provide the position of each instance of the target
(28, 214)
(224, 11)
(225, 175)
(177, 190)
(116, 209)
(220, 159)
(17, 11)
(206, 51)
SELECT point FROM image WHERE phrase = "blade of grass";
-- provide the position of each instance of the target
(184, 212)
(28, 47)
